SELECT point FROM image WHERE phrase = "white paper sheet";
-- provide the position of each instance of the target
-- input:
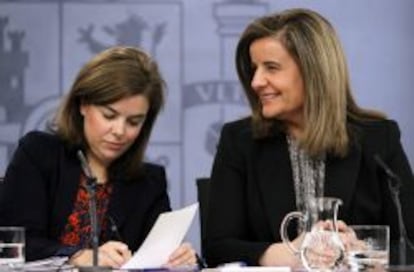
(165, 236)
(249, 269)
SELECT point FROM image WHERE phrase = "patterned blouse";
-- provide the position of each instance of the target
(77, 231)
(308, 174)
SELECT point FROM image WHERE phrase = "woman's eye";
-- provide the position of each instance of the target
(108, 116)
(135, 122)
(272, 68)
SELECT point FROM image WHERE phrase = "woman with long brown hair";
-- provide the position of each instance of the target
(108, 115)
(306, 138)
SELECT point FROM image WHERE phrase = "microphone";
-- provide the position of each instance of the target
(90, 177)
(91, 188)
(114, 228)
(394, 184)
(85, 166)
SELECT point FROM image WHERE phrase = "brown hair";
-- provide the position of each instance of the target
(113, 74)
(312, 42)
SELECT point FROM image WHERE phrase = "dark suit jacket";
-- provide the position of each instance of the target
(252, 187)
(41, 184)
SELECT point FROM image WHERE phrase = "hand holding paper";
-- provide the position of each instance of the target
(165, 236)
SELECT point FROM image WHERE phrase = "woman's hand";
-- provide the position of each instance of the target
(183, 255)
(279, 254)
(112, 253)
(347, 236)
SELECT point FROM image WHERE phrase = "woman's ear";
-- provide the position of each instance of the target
(82, 108)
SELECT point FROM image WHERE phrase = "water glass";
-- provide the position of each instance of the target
(369, 249)
(12, 241)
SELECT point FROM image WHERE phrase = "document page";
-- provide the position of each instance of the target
(165, 236)
(250, 269)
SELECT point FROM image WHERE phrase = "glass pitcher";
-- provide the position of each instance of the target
(321, 248)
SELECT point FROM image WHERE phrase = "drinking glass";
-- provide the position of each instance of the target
(369, 248)
(12, 242)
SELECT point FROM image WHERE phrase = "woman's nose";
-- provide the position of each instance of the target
(258, 80)
(119, 127)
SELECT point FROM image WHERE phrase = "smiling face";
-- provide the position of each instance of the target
(111, 129)
(277, 81)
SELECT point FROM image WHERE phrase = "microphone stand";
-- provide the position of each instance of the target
(394, 184)
(402, 242)
(91, 189)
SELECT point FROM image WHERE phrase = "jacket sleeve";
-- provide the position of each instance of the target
(161, 201)
(227, 237)
(25, 200)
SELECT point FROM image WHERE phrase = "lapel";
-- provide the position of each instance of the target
(342, 175)
(67, 189)
(120, 202)
(275, 180)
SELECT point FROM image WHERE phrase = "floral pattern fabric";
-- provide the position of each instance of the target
(77, 231)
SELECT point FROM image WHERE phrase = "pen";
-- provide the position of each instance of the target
(114, 228)
(201, 262)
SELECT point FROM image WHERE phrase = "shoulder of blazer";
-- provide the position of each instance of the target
(44, 149)
(154, 175)
(375, 128)
(241, 128)
(153, 170)
(376, 136)
(38, 140)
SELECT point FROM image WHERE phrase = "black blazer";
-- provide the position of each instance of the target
(252, 187)
(41, 184)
